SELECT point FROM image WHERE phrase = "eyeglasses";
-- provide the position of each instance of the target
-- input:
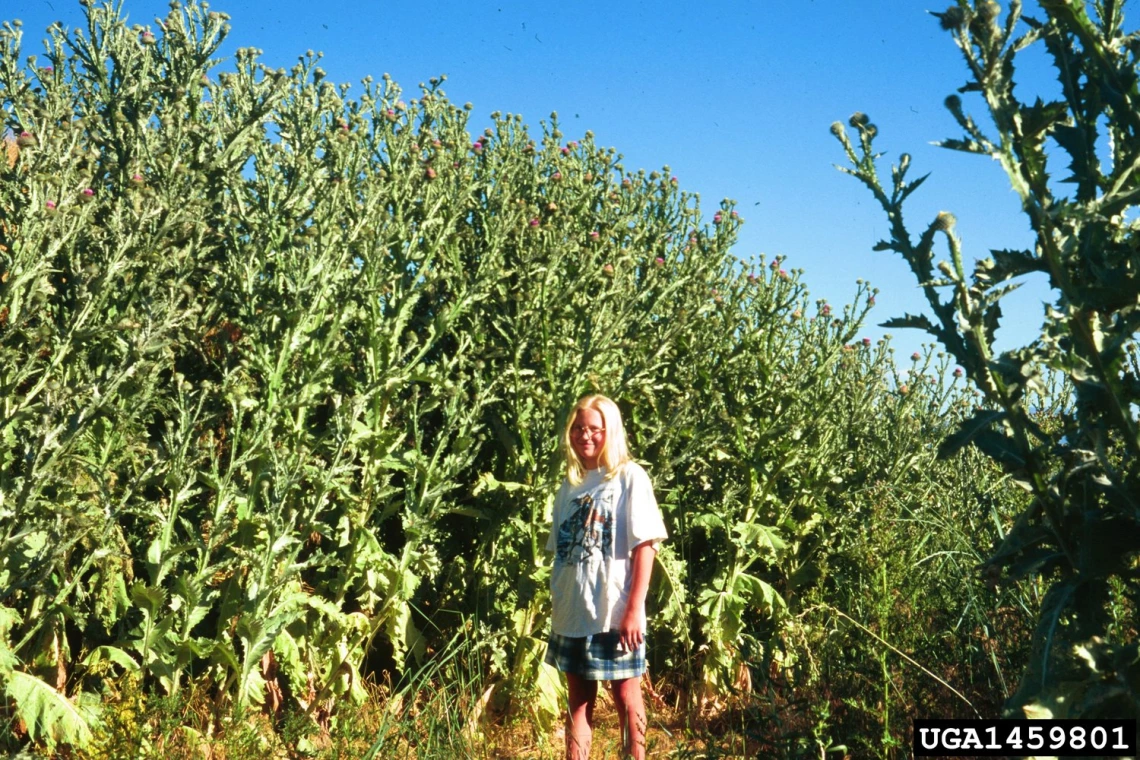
(589, 430)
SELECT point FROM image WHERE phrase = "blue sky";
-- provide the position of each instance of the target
(737, 98)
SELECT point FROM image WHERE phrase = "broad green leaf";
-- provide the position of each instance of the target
(49, 715)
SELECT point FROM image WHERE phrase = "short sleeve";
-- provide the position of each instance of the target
(645, 521)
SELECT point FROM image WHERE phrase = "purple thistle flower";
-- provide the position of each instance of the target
(534, 222)
(659, 261)
(88, 192)
(915, 356)
(50, 205)
(566, 151)
(958, 372)
(866, 341)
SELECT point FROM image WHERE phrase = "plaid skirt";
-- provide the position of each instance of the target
(595, 658)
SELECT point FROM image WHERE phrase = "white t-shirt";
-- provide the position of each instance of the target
(597, 525)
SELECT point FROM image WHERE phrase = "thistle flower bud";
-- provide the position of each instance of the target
(26, 140)
(944, 268)
(958, 372)
(915, 356)
(866, 342)
(988, 10)
(945, 221)
(858, 119)
(557, 176)
(836, 128)
(952, 18)
(147, 38)
(594, 235)
(429, 173)
(608, 269)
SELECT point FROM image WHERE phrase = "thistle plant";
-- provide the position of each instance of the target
(283, 365)
(1080, 532)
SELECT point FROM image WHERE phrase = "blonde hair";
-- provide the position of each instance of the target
(615, 450)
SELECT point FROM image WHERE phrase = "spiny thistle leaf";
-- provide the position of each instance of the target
(969, 429)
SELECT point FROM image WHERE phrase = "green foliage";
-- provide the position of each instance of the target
(284, 372)
(1080, 532)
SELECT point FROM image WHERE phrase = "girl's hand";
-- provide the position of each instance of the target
(631, 632)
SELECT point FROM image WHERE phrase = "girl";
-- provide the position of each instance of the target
(606, 525)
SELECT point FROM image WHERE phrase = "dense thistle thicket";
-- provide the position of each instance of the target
(282, 373)
(1080, 534)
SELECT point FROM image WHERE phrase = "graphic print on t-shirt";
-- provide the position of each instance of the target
(586, 532)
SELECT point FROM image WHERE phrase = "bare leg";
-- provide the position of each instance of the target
(580, 725)
(631, 714)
